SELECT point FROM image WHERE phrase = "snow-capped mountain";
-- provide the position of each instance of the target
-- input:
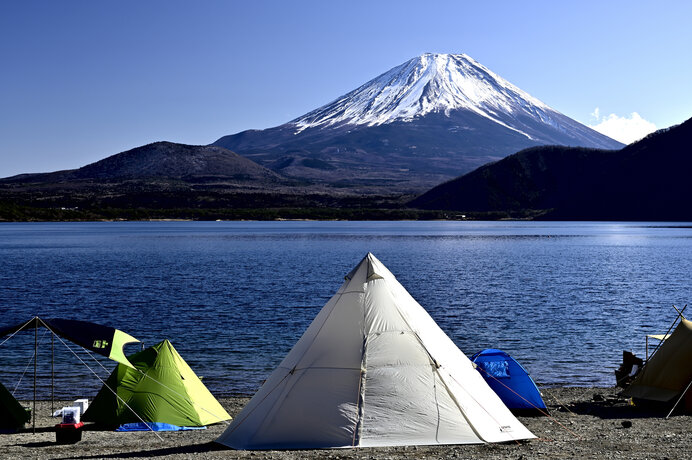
(425, 84)
(431, 118)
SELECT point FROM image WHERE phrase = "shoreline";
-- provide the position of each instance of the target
(583, 422)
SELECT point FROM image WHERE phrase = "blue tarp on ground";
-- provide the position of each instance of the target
(509, 380)
(139, 426)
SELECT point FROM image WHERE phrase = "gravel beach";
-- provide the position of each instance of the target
(584, 423)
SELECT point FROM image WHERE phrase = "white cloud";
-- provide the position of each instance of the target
(624, 129)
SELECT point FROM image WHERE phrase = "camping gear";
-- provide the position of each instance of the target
(68, 433)
(509, 380)
(629, 368)
(161, 389)
(12, 415)
(83, 404)
(372, 369)
(141, 426)
(104, 340)
(71, 414)
(665, 378)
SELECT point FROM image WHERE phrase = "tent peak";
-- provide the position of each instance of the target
(373, 269)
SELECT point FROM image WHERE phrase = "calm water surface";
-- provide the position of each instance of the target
(563, 298)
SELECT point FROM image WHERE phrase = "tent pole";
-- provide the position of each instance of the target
(33, 411)
(680, 312)
(679, 399)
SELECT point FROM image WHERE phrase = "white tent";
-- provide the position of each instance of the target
(373, 369)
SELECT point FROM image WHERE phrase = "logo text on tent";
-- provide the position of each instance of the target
(101, 343)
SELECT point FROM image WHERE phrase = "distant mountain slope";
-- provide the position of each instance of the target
(167, 180)
(163, 160)
(432, 118)
(647, 180)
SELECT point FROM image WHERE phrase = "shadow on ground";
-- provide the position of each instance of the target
(190, 450)
(612, 406)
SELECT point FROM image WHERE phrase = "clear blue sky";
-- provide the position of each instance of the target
(82, 80)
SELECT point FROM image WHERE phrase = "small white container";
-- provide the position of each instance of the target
(82, 404)
(71, 414)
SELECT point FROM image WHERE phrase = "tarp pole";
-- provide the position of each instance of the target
(680, 312)
(33, 411)
(52, 372)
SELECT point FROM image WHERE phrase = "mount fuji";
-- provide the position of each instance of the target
(432, 118)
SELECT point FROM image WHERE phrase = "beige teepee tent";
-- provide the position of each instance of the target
(373, 369)
(667, 374)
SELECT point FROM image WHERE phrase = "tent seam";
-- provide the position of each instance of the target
(436, 366)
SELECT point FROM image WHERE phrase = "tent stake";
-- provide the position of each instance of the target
(33, 411)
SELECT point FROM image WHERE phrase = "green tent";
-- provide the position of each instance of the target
(12, 415)
(162, 389)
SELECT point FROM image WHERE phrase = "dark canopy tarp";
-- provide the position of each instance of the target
(104, 340)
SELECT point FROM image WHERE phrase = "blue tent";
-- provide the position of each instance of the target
(509, 380)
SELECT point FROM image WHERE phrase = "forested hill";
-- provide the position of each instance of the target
(646, 180)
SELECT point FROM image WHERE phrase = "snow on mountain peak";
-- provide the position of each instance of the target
(429, 83)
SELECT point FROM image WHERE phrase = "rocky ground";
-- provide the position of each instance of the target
(584, 423)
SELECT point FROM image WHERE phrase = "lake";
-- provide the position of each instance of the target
(563, 298)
